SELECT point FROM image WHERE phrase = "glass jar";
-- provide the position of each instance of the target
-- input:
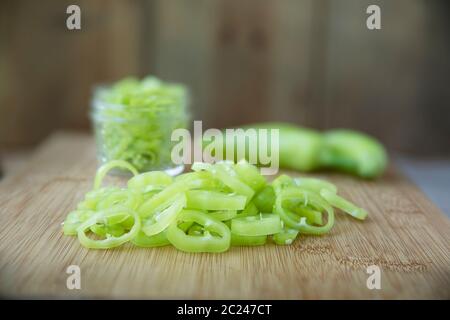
(133, 121)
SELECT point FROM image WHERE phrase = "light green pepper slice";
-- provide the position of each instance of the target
(297, 210)
(250, 175)
(285, 237)
(165, 196)
(259, 225)
(215, 238)
(224, 172)
(110, 241)
(265, 199)
(344, 205)
(250, 210)
(314, 184)
(212, 200)
(307, 198)
(160, 220)
(239, 240)
(103, 170)
(74, 219)
(157, 240)
(223, 215)
(150, 181)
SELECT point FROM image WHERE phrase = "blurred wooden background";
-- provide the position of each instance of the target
(312, 62)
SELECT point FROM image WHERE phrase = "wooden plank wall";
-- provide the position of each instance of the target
(48, 71)
(311, 62)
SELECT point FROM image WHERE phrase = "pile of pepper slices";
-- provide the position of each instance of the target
(207, 210)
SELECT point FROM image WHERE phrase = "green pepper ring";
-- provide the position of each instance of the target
(111, 241)
(205, 243)
(306, 197)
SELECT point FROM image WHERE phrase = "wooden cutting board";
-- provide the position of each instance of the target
(405, 235)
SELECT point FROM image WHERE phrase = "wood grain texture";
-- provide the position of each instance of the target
(405, 235)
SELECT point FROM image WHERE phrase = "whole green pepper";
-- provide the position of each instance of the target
(299, 147)
(353, 152)
(305, 150)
